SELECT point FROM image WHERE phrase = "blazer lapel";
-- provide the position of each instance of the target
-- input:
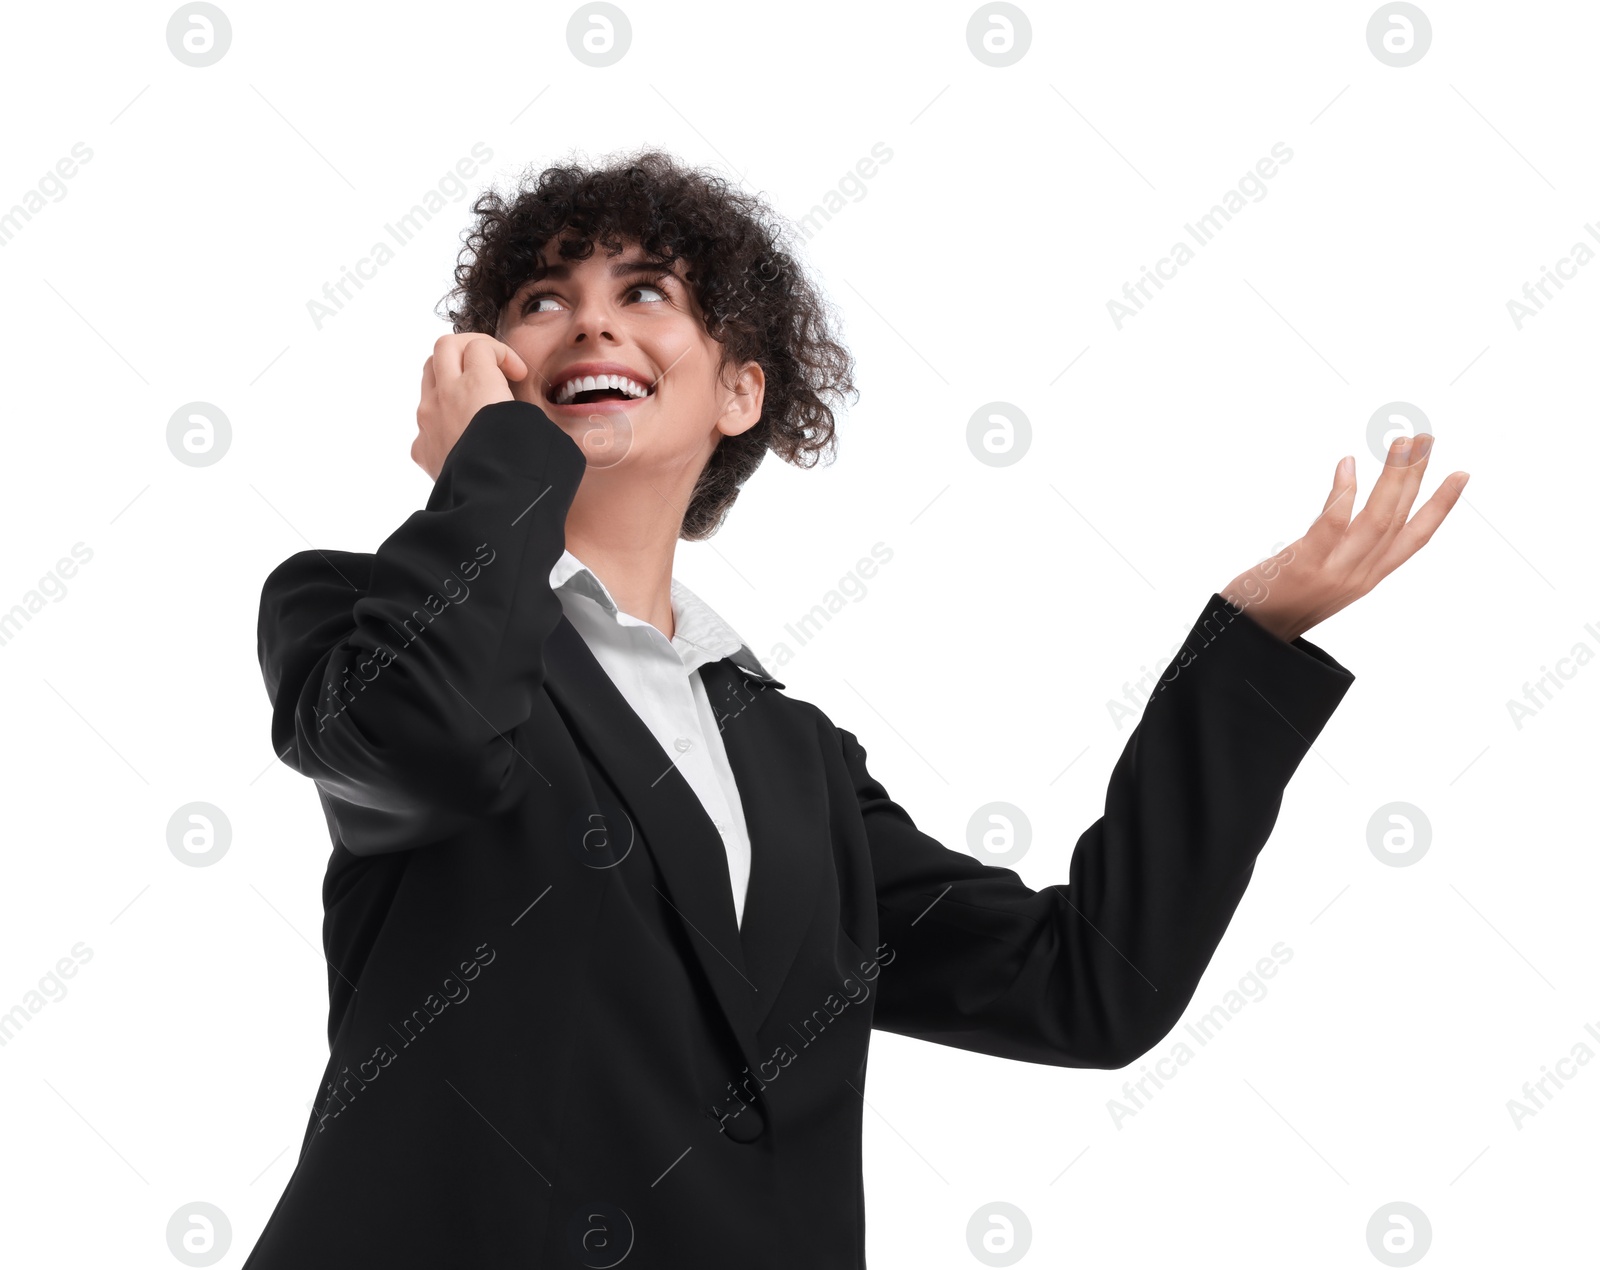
(678, 833)
(772, 749)
(772, 755)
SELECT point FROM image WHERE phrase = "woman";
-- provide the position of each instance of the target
(609, 916)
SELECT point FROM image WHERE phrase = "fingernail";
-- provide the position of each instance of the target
(1422, 448)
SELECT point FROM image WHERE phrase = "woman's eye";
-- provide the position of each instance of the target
(530, 304)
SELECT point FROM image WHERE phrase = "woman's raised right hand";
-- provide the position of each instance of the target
(466, 373)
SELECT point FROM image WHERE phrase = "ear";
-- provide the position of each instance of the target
(743, 409)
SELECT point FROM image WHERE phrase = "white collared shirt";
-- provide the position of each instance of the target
(656, 677)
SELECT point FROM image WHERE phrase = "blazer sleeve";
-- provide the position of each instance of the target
(397, 679)
(1093, 972)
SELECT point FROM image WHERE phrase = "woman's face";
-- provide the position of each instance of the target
(620, 314)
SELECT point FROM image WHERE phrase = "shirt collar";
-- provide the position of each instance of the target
(699, 634)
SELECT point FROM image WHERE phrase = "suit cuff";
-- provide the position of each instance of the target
(515, 437)
(1244, 666)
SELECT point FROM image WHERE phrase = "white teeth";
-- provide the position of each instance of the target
(565, 392)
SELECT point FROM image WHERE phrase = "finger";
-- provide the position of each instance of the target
(1328, 530)
(508, 360)
(1411, 483)
(1344, 474)
(454, 354)
(1376, 519)
(511, 365)
(1420, 527)
(484, 351)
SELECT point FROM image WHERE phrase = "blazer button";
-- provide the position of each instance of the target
(745, 1127)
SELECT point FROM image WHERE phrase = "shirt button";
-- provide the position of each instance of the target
(682, 744)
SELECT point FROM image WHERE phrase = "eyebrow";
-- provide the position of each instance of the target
(560, 272)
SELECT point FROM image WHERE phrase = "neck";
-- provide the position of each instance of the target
(627, 533)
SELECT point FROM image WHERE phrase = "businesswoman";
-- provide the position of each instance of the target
(609, 915)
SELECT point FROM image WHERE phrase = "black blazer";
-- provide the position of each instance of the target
(550, 1044)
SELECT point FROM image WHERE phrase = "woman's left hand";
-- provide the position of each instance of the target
(1339, 559)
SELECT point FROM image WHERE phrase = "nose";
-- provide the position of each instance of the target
(593, 318)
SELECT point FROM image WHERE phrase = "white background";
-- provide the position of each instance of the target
(976, 267)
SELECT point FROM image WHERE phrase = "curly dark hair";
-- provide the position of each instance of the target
(754, 297)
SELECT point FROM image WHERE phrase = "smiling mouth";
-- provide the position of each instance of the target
(596, 401)
(602, 394)
(605, 389)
